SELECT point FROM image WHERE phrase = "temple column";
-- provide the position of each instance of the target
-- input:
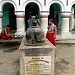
(65, 33)
(20, 23)
(74, 23)
(71, 22)
(1, 21)
(72, 19)
(44, 21)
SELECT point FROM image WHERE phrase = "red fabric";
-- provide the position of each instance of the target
(51, 38)
(4, 37)
(56, 21)
(0, 36)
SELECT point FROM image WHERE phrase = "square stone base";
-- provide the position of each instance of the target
(37, 60)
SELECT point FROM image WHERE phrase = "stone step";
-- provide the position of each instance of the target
(65, 41)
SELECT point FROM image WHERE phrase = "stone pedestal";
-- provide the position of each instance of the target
(37, 60)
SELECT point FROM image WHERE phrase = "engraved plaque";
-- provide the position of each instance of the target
(37, 65)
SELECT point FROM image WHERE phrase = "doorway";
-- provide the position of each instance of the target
(31, 9)
(9, 18)
(55, 14)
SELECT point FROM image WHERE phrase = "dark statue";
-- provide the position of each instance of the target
(34, 33)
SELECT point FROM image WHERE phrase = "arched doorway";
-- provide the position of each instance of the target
(55, 14)
(31, 9)
(8, 16)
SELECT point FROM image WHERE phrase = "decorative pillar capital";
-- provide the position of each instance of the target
(20, 14)
(66, 14)
(44, 14)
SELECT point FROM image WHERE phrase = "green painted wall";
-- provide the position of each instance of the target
(9, 16)
(5, 18)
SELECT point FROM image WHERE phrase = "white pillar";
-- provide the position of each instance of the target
(65, 33)
(72, 19)
(71, 22)
(74, 23)
(0, 22)
(44, 21)
(20, 23)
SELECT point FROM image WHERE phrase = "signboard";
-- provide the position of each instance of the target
(37, 65)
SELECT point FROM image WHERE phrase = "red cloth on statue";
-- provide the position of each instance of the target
(51, 38)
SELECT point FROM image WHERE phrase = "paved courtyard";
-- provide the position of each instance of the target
(64, 65)
(9, 60)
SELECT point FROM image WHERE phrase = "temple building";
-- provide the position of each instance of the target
(16, 14)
